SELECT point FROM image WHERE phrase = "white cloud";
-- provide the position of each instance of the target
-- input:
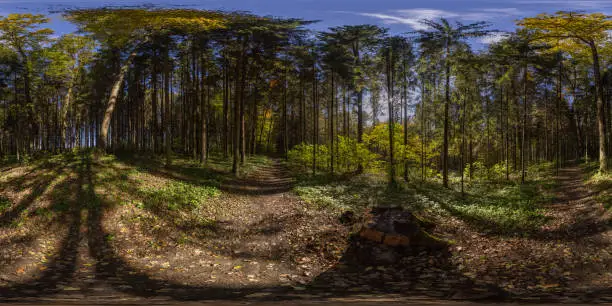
(494, 38)
(413, 17)
(505, 11)
(410, 17)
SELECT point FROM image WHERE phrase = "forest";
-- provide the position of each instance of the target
(191, 154)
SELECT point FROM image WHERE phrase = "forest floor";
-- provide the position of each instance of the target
(76, 228)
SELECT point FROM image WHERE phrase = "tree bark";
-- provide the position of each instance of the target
(331, 123)
(112, 101)
(446, 107)
(601, 124)
(391, 120)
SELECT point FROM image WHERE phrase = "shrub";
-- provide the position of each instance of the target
(479, 171)
(349, 155)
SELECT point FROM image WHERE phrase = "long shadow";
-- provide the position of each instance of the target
(213, 232)
(60, 269)
(442, 275)
(416, 272)
(419, 273)
(39, 179)
(582, 228)
(244, 187)
(118, 273)
(209, 176)
(113, 270)
(194, 174)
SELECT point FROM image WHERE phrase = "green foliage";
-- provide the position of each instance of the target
(349, 154)
(477, 170)
(5, 203)
(120, 27)
(301, 157)
(352, 153)
(498, 207)
(502, 208)
(44, 212)
(22, 32)
(378, 138)
(329, 196)
(572, 32)
(498, 171)
(68, 55)
(600, 183)
(355, 193)
(178, 195)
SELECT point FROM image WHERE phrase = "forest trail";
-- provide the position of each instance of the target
(266, 241)
(567, 259)
(271, 179)
(574, 212)
(273, 246)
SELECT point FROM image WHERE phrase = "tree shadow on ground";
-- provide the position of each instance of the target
(84, 219)
(215, 174)
(193, 173)
(39, 179)
(532, 222)
(61, 267)
(417, 273)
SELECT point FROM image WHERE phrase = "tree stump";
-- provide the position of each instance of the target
(395, 227)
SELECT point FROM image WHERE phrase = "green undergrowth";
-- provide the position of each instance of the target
(213, 172)
(600, 183)
(491, 206)
(5, 203)
(148, 184)
(89, 178)
(178, 195)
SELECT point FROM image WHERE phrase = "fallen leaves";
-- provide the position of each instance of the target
(549, 286)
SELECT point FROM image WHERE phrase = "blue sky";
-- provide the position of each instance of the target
(398, 15)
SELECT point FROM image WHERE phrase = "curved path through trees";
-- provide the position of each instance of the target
(89, 269)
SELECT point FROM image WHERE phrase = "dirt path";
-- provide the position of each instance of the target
(267, 241)
(271, 246)
(567, 259)
(574, 212)
(585, 225)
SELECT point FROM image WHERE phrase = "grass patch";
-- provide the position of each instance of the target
(44, 213)
(178, 195)
(355, 194)
(600, 183)
(5, 203)
(498, 207)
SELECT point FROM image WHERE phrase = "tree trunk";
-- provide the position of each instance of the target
(204, 113)
(154, 105)
(391, 120)
(65, 107)
(446, 107)
(405, 98)
(112, 101)
(226, 93)
(359, 104)
(601, 124)
(315, 119)
(237, 112)
(331, 123)
(423, 129)
(524, 125)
